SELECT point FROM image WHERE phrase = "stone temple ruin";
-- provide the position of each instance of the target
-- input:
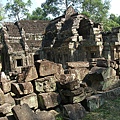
(65, 67)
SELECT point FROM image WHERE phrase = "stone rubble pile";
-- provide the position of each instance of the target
(46, 90)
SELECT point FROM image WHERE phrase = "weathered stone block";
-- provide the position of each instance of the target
(48, 100)
(94, 102)
(111, 83)
(2, 98)
(80, 73)
(3, 77)
(22, 88)
(70, 85)
(9, 99)
(98, 75)
(6, 86)
(5, 108)
(31, 73)
(112, 94)
(30, 99)
(3, 118)
(45, 68)
(45, 115)
(79, 64)
(24, 112)
(74, 111)
(46, 84)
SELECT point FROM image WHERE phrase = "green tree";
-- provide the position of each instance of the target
(38, 14)
(97, 10)
(112, 21)
(17, 8)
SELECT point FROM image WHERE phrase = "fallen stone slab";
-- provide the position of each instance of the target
(9, 99)
(45, 68)
(5, 109)
(29, 73)
(80, 73)
(111, 83)
(79, 64)
(74, 111)
(22, 88)
(94, 102)
(46, 84)
(23, 112)
(45, 115)
(6, 86)
(70, 85)
(2, 98)
(30, 99)
(3, 118)
(48, 100)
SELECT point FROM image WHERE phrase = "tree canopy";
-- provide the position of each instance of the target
(97, 10)
(17, 8)
(38, 14)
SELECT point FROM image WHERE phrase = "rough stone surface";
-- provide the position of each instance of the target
(94, 102)
(2, 98)
(45, 67)
(46, 84)
(80, 73)
(48, 100)
(45, 115)
(24, 112)
(30, 99)
(79, 64)
(6, 86)
(22, 88)
(5, 108)
(74, 111)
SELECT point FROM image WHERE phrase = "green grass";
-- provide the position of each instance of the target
(109, 111)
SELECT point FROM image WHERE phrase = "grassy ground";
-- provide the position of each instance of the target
(110, 111)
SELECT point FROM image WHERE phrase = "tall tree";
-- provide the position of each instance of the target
(38, 14)
(17, 8)
(95, 9)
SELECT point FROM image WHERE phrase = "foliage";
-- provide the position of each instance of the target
(96, 9)
(112, 21)
(17, 8)
(38, 14)
(110, 111)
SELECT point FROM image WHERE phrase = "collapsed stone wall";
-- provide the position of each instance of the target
(44, 91)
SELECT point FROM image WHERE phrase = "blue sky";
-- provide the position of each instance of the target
(115, 5)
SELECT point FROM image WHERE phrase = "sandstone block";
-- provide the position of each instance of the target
(46, 84)
(80, 73)
(45, 68)
(22, 88)
(74, 111)
(6, 86)
(30, 99)
(45, 115)
(3, 118)
(5, 108)
(48, 100)
(31, 73)
(94, 102)
(2, 98)
(24, 112)
(70, 85)
(9, 99)
(79, 64)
